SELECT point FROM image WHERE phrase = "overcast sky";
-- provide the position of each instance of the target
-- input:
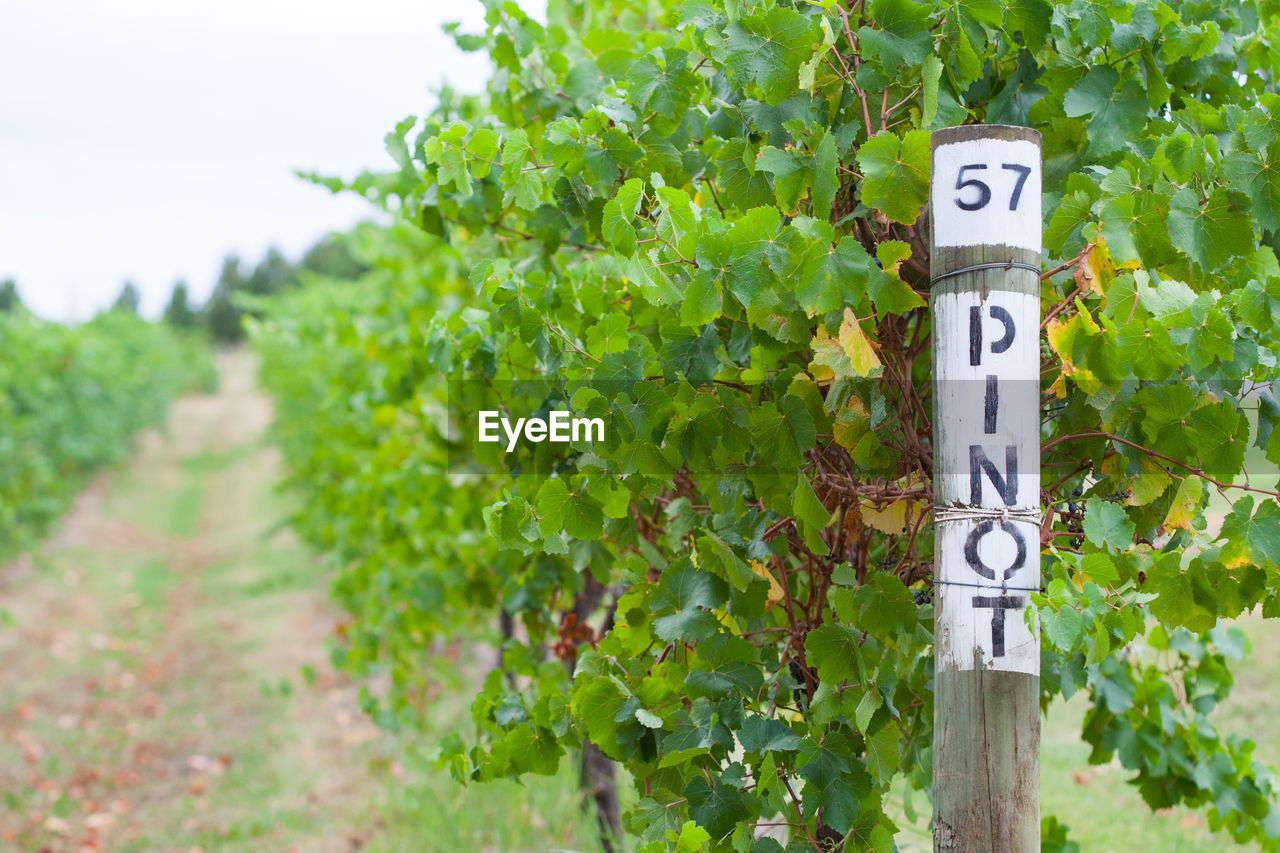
(145, 140)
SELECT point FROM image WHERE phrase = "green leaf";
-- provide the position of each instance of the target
(830, 276)
(767, 47)
(715, 555)
(1118, 111)
(702, 302)
(891, 295)
(867, 707)
(792, 174)
(812, 515)
(717, 808)
(832, 783)
(516, 154)
(782, 432)
(691, 838)
(1211, 231)
(574, 512)
(1222, 436)
(1256, 173)
(694, 356)
(883, 606)
(833, 649)
(1144, 350)
(1252, 538)
(884, 752)
(511, 524)
(595, 703)
(896, 174)
(724, 665)
(1181, 596)
(1099, 568)
(677, 222)
(616, 225)
(746, 266)
(1107, 525)
(766, 734)
(396, 147)
(826, 180)
(660, 816)
(900, 35)
(648, 719)
(683, 601)
(1071, 212)
(482, 150)
(1063, 628)
(526, 191)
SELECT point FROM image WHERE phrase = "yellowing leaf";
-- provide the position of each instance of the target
(1149, 485)
(1096, 270)
(891, 254)
(1064, 336)
(851, 424)
(1186, 501)
(1059, 386)
(898, 514)
(858, 347)
(1112, 466)
(852, 355)
(723, 617)
(888, 519)
(1060, 338)
(828, 359)
(775, 588)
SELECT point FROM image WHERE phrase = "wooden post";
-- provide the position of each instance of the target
(985, 304)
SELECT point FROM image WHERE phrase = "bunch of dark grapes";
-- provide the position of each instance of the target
(1076, 512)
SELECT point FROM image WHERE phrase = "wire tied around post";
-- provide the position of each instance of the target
(943, 514)
(1008, 265)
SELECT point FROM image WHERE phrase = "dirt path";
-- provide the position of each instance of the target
(163, 684)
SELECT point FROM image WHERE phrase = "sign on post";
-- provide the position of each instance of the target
(985, 200)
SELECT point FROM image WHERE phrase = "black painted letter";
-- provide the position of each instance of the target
(971, 549)
(975, 334)
(998, 313)
(992, 406)
(998, 604)
(1007, 485)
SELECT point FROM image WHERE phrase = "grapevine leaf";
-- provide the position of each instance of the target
(765, 734)
(1107, 525)
(683, 603)
(576, 513)
(896, 174)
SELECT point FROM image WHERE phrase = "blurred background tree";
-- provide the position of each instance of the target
(273, 274)
(221, 315)
(128, 300)
(331, 257)
(179, 313)
(9, 300)
(232, 298)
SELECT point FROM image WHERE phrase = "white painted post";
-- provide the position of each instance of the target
(985, 303)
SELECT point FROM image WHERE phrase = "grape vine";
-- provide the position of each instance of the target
(703, 221)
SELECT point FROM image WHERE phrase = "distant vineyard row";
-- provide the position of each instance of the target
(70, 398)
